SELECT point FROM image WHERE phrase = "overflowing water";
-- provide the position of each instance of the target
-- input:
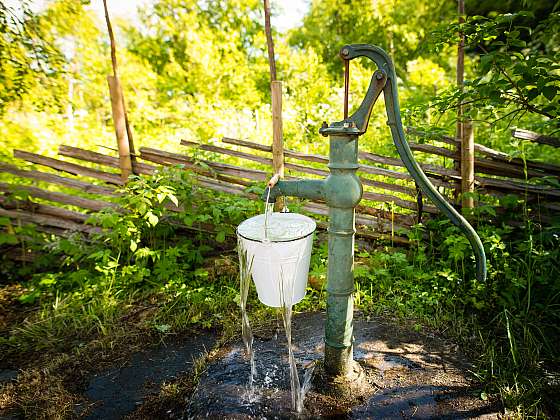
(246, 332)
(298, 390)
(294, 378)
(266, 228)
(280, 227)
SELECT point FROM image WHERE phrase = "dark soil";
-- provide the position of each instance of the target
(104, 383)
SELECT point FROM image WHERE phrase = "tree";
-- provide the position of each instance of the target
(205, 48)
(398, 26)
(516, 73)
(27, 55)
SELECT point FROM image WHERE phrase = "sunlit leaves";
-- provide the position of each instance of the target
(518, 71)
(26, 55)
(396, 26)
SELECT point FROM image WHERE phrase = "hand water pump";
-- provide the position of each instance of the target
(342, 191)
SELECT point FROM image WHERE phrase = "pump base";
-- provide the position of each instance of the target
(351, 387)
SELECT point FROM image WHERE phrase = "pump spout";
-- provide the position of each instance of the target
(310, 189)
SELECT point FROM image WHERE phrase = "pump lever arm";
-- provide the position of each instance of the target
(361, 118)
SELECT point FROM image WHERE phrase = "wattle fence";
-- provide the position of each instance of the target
(391, 202)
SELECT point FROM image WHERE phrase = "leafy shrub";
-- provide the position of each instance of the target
(154, 246)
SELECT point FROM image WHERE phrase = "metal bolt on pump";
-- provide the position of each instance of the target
(342, 191)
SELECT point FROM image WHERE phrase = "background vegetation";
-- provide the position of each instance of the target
(198, 70)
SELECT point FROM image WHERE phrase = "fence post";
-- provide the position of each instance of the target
(277, 140)
(467, 165)
(123, 130)
(115, 91)
(460, 77)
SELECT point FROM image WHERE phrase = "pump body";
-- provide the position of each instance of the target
(342, 191)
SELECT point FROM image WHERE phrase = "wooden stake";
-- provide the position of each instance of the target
(269, 41)
(276, 93)
(460, 81)
(117, 107)
(277, 140)
(122, 106)
(467, 165)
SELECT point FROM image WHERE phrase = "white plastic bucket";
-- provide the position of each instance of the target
(280, 259)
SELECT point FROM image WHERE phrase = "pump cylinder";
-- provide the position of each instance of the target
(343, 191)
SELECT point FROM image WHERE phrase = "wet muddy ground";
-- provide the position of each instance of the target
(411, 376)
(121, 390)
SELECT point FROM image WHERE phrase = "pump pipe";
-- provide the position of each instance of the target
(342, 191)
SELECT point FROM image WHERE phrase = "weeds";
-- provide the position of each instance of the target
(509, 324)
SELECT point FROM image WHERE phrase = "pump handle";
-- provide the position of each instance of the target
(385, 78)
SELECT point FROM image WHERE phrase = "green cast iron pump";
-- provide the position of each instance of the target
(342, 191)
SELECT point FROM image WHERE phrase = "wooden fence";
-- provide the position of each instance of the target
(391, 202)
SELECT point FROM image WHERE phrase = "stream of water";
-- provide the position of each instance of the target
(298, 390)
(294, 378)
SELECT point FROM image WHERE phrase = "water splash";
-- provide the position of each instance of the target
(305, 386)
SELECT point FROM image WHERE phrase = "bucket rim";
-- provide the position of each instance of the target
(275, 242)
(293, 239)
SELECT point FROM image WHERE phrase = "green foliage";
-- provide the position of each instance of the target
(396, 26)
(199, 36)
(513, 316)
(198, 70)
(517, 72)
(26, 55)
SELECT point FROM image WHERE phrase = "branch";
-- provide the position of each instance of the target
(458, 104)
(111, 38)
(269, 41)
(517, 110)
(523, 99)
